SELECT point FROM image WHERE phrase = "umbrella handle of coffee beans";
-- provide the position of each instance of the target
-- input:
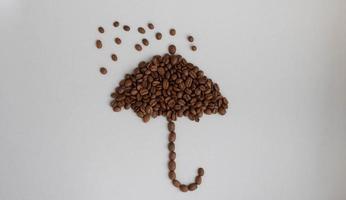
(171, 164)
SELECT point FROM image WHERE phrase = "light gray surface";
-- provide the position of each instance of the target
(280, 63)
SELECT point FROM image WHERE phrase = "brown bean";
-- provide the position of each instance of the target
(98, 44)
(171, 165)
(138, 47)
(117, 40)
(171, 49)
(146, 118)
(145, 42)
(193, 48)
(126, 28)
(171, 146)
(116, 24)
(172, 32)
(172, 155)
(192, 186)
(171, 126)
(200, 171)
(103, 70)
(190, 38)
(141, 30)
(171, 137)
(158, 36)
(176, 183)
(171, 175)
(101, 29)
(183, 188)
(114, 57)
(150, 26)
(198, 180)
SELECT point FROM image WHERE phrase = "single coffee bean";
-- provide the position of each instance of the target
(141, 30)
(171, 175)
(193, 48)
(158, 36)
(101, 29)
(192, 186)
(114, 57)
(171, 137)
(150, 26)
(116, 109)
(176, 183)
(165, 84)
(190, 38)
(138, 47)
(103, 70)
(98, 44)
(117, 40)
(171, 146)
(146, 118)
(128, 82)
(198, 180)
(171, 127)
(172, 155)
(145, 42)
(116, 24)
(171, 49)
(183, 188)
(200, 171)
(172, 32)
(171, 165)
(126, 28)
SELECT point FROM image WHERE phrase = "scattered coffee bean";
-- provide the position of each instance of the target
(146, 118)
(98, 44)
(101, 29)
(183, 188)
(190, 38)
(117, 40)
(198, 180)
(171, 146)
(172, 49)
(126, 28)
(193, 48)
(171, 125)
(138, 47)
(114, 57)
(172, 155)
(116, 24)
(192, 186)
(171, 165)
(200, 171)
(172, 32)
(171, 137)
(171, 175)
(176, 183)
(145, 42)
(141, 30)
(150, 26)
(103, 70)
(158, 36)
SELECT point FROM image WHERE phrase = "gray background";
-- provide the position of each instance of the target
(280, 63)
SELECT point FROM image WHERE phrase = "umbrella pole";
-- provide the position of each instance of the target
(172, 165)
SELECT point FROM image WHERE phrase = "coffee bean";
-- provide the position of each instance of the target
(116, 109)
(101, 29)
(193, 48)
(200, 171)
(116, 24)
(176, 183)
(114, 57)
(192, 186)
(172, 31)
(171, 49)
(171, 175)
(138, 47)
(183, 188)
(171, 165)
(146, 118)
(198, 180)
(98, 44)
(190, 38)
(172, 155)
(171, 126)
(145, 42)
(126, 28)
(165, 84)
(171, 146)
(117, 40)
(141, 30)
(103, 70)
(158, 36)
(171, 137)
(150, 26)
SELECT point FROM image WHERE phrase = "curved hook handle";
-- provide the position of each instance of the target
(172, 165)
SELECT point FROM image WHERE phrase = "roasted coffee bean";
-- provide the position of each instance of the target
(172, 32)
(192, 186)
(98, 44)
(193, 48)
(183, 188)
(126, 28)
(101, 29)
(172, 155)
(171, 146)
(176, 183)
(146, 118)
(141, 30)
(114, 57)
(116, 24)
(198, 180)
(171, 165)
(190, 38)
(200, 171)
(171, 49)
(158, 36)
(171, 126)
(150, 26)
(138, 47)
(145, 42)
(116, 109)
(171, 137)
(103, 70)
(117, 40)
(171, 175)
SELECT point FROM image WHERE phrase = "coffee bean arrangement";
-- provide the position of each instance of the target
(166, 85)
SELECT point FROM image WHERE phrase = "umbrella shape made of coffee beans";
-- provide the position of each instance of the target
(170, 86)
